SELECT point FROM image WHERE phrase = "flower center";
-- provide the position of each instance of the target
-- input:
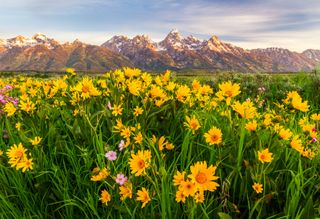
(85, 89)
(194, 125)
(19, 154)
(201, 178)
(214, 138)
(141, 164)
(229, 93)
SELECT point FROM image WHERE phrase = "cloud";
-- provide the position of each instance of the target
(249, 23)
(292, 24)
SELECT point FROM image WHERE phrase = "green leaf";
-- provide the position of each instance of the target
(308, 210)
(224, 215)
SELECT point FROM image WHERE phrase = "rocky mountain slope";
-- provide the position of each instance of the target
(173, 52)
(178, 52)
(44, 54)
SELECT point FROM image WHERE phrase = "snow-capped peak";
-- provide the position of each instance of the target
(40, 37)
(174, 30)
(21, 41)
(3, 42)
(193, 43)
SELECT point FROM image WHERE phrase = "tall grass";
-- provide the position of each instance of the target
(72, 145)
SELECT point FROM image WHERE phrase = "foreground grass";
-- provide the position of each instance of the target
(80, 120)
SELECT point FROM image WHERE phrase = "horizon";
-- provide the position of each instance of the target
(155, 41)
(250, 24)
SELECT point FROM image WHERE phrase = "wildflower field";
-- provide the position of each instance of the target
(131, 145)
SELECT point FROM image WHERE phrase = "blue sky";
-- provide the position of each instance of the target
(292, 24)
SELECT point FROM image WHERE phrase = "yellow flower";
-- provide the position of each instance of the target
(203, 176)
(117, 110)
(251, 126)
(1, 152)
(303, 121)
(125, 132)
(157, 95)
(188, 188)
(154, 139)
(308, 127)
(245, 109)
(86, 88)
(26, 164)
(70, 71)
(16, 154)
(267, 120)
(101, 175)
(265, 156)
(299, 105)
(180, 197)
(18, 126)
(169, 146)
(308, 153)
(199, 197)
(27, 106)
(102, 83)
(182, 94)
(213, 136)
(131, 72)
(119, 125)
(192, 124)
(165, 77)
(178, 178)
(285, 134)
(143, 196)
(9, 108)
(315, 117)
(105, 197)
(228, 90)
(36, 141)
(140, 162)
(296, 101)
(138, 138)
(137, 111)
(75, 112)
(171, 86)
(162, 143)
(126, 191)
(258, 188)
(296, 144)
(135, 87)
(196, 85)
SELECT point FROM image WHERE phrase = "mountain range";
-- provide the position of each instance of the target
(41, 53)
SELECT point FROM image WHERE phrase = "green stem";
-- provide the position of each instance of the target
(241, 145)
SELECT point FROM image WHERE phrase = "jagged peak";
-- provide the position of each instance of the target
(18, 38)
(174, 34)
(77, 41)
(311, 51)
(192, 37)
(118, 37)
(143, 37)
(39, 36)
(215, 39)
(174, 31)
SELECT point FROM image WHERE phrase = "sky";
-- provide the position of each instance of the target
(292, 24)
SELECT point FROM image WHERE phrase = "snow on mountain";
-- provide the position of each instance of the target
(21, 41)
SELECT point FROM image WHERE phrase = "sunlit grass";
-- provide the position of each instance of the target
(131, 145)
